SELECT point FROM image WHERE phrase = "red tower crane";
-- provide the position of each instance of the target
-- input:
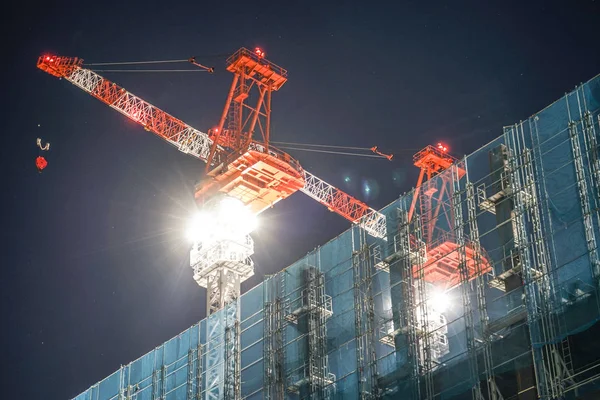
(237, 163)
(442, 259)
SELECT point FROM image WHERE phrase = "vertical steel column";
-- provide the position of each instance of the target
(199, 368)
(521, 245)
(190, 375)
(121, 392)
(364, 320)
(492, 390)
(593, 148)
(269, 368)
(222, 354)
(279, 355)
(421, 302)
(593, 151)
(556, 371)
(409, 321)
(318, 369)
(232, 362)
(154, 395)
(357, 260)
(215, 356)
(273, 354)
(232, 384)
(459, 234)
(536, 282)
(582, 187)
(280, 337)
(163, 379)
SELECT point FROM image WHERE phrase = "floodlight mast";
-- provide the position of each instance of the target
(222, 250)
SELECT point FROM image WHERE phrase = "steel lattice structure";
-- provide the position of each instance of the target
(345, 205)
(251, 171)
(198, 144)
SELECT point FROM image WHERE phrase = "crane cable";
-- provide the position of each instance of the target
(149, 70)
(311, 148)
(331, 152)
(374, 149)
(191, 60)
(294, 146)
(321, 145)
(137, 62)
(157, 61)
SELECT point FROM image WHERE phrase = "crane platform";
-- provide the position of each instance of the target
(260, 177)
(256, 67)
(443, 263)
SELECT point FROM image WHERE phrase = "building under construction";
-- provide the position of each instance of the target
(485, 286)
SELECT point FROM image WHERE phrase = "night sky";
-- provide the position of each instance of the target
(94, 262)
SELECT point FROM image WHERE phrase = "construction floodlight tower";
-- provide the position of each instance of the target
(221, 260)
(221, 251)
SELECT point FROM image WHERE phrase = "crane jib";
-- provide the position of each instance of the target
(261, 175)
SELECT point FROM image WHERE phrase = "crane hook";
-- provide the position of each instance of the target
(44, 147)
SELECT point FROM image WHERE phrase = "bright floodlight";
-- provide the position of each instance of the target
(199, 226)
(439, 301)
(235, 215)
(228, 219)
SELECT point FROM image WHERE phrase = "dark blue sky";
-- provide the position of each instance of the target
(94, 265)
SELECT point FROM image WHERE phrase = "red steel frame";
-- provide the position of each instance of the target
(443, 259)
(257, 173)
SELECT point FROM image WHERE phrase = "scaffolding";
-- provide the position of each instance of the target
(364, 318)
(582, 186)
(309, 313)
(274, 337)
(484, 337)
(508, 234)
(459, 233)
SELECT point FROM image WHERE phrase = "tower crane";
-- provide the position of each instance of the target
(244, 176)
(237, 164)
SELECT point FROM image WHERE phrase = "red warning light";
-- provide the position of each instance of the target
(41, 163)
(259, 52)
(442, 148)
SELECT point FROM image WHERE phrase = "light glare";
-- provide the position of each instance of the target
(229, 219)
(199, 226)
(439, 302)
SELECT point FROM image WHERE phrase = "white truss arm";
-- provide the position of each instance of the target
(347, 206)
(187, 139)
